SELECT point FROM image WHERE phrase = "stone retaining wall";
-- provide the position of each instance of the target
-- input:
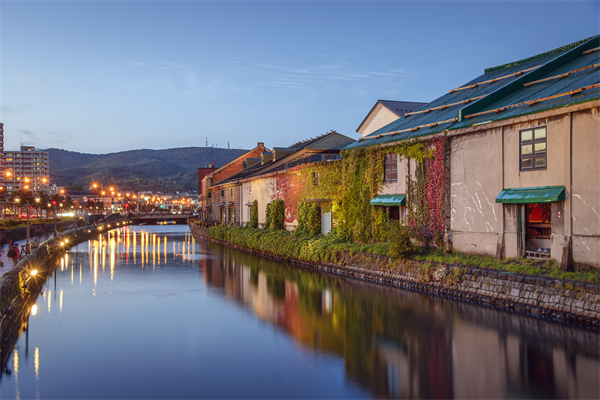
(577, 302)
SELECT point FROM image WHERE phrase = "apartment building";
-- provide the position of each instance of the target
(26, 169)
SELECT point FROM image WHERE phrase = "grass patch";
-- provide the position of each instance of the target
(547, 269)
(327, 248)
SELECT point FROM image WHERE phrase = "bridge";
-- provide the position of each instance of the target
(149, 217)
(159, 217)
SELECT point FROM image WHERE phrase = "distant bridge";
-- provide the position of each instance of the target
(159, 217)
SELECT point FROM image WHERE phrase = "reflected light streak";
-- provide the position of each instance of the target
(112, 259)
(104, 250)
(165, 251)
(16, 370)
(50, 299)
(60, 303)
(72, 276)
(80, 274)
(36, 363)
(95, 266)
(153, 251)
(134, 248)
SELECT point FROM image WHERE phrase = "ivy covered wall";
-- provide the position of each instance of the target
(352, 182)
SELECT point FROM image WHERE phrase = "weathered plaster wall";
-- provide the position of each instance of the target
(586, 187)
(262, 192)
(399, 187)
(475, 181)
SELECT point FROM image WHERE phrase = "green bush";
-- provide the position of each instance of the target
(309, 219)
(268, 216)
(253, 223)
(277, 215)
(401, 245)
(61, 228)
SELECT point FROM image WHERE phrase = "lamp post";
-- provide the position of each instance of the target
(54, 204)
(28, 243)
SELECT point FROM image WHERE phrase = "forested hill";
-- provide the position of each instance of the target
(166, 170)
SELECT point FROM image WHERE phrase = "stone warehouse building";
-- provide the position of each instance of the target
(523, 157)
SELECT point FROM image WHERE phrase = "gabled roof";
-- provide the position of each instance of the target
(243, 173)
(522, 87)
(399, 108)
(238, 159)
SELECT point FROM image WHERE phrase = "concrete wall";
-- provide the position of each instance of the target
(586, 187)
(487, 161)
(262, 192)
(475, 181)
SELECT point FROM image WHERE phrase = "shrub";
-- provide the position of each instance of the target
(268, 216)
(277, 215)
(309, 219)
(253, 223)
(401, 245)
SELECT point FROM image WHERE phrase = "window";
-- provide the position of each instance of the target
(316, 178)
(231, 192)
(532, 149)
(250, 189)
(390, 168)
(276, 184)
(222, 192)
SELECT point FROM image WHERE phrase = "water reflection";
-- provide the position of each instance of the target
(406, 345)
(151, 300)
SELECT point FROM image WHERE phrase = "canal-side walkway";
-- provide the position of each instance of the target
(576, 302)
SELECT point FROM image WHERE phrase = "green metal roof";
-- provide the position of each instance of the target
(541, 194)
(504, 88)
(389, 200)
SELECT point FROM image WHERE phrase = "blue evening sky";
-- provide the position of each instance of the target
(107, 76)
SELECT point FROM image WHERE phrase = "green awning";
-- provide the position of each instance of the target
(389, 200)
(542, 194)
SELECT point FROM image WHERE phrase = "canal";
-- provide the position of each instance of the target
(151, 312)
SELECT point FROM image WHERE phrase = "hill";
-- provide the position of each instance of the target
(164, 170)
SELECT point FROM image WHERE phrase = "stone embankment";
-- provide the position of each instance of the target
(577, 302)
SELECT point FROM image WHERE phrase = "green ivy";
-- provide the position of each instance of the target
(277, 215)
(253, 223)
(309, 219)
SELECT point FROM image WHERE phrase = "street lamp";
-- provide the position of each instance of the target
(54, 204)
(28, 243)
(17, 200)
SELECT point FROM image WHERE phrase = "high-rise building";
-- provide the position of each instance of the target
(26, 169)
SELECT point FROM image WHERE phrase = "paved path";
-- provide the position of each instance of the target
(8, 264)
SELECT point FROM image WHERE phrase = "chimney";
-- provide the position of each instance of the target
(213, 164)
(261, 144)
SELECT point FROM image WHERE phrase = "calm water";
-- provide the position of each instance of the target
(149, 312)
